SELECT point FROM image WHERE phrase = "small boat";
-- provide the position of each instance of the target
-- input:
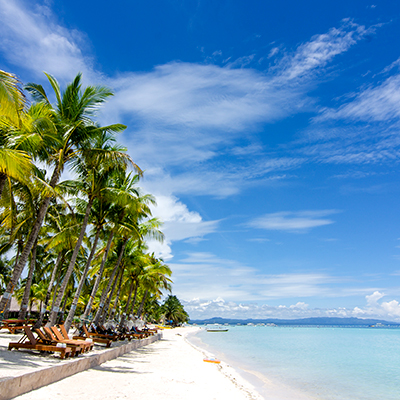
(217, 330)
(212, 360)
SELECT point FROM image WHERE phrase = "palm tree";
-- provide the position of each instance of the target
(72, 119)
(13, 162)
(12, 98)
(124, 223)
(135, 262)
(173, 311)
(94, 170)
(154, 280)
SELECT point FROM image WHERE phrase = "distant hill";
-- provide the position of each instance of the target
(303, 321)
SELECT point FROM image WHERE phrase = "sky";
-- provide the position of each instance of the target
(268, 132)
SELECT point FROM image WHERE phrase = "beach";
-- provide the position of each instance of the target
(170, 368)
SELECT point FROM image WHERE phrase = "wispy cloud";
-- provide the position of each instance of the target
(206, 276)
(293, 221)
(203, 97)
(311, 56)
(202, 309)
(376, 103)
(32, 39)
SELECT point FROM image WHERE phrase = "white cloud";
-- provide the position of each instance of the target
(273, 52)
(385, 309)
(372, 300)
(32, 39)
(301, 305)
(376, 103)
(200, 309)
(358, 144)
(310, 57)
(203, 275)
(201, 97)
(178, 224)
(293, 221)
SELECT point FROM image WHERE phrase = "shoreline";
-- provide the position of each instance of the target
(266, 388)
(171, 368)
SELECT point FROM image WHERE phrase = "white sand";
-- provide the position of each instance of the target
(167, 369)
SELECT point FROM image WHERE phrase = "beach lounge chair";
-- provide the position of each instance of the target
(139, 335)
(14, 325)
(79, 347)
(86, 345)
(140, 332)
(49, 340)
(28, 341)
(112, 334)
(114, 337)
(96, 339)
(64, 333)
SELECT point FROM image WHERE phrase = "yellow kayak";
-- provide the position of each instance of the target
(212, 360)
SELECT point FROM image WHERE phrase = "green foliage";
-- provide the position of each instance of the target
(101, 200)
(173, 311)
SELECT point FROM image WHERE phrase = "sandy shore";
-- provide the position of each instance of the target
(168, 369)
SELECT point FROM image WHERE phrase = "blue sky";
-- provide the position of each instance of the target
(268, 131)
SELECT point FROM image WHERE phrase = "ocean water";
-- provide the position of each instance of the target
(323, 363)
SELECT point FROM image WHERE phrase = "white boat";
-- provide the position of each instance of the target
(217, 328)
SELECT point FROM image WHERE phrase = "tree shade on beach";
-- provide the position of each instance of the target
(82, 240)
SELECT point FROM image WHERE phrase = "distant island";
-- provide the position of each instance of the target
(316, 321)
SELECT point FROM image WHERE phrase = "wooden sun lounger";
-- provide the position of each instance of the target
(137, 335)
(86, 346)
(64, 333)
(114, 338)
(47, 340)
(34, 344)
(80, 347)
(94, 337)
(14, 325)
(145, 333)
(134, 335)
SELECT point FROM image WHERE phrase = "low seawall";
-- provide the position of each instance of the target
(15, 386)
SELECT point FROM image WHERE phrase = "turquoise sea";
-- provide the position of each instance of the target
(324, 363)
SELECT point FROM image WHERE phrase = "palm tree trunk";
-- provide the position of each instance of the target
(109, 298)
(112, 314)
(64, 305)
(27, 291)
(3, 180)
(104, 294)
(56, 305)
(57, 284)
(4, 311)
(139, 313)
(29, 244)
(43, 306)
(123, 317)
(88, 308)
(131, 308)
(71, 313)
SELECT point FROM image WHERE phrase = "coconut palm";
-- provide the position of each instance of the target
(14, 162)
(154, 279)
(123, 218)
(173, 311)
(71, 116)
(12, 98)
(134, 262)
(95, 170)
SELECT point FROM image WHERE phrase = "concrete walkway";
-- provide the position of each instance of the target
(22, 371)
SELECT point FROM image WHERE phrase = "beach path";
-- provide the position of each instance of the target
(167, 369)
